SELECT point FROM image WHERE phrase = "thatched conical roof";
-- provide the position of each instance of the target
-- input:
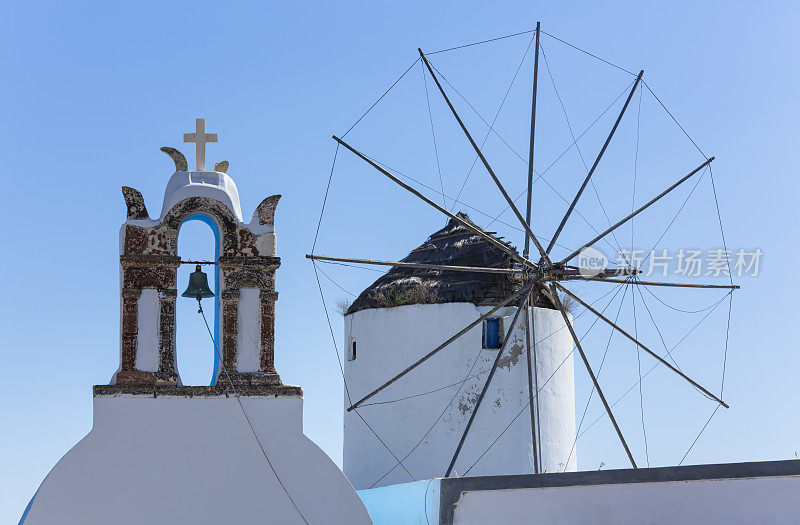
(452, 245)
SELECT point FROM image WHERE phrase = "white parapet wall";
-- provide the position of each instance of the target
(165, 460)
(730, 493)
(422, 415)
(728, 501)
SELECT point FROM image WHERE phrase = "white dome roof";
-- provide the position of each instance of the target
(209, 184)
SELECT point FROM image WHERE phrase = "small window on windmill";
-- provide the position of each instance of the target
(493, 333)
(352, 355)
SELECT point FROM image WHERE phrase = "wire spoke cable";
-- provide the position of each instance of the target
(674, 119)
(403, 175)
(590, 54)
(578, 149)
(322, 297)
(325, 199)
(481, 42)
(602, 415)
(674, 218)
(541, 175)
(344, 380)
(380, 98)
(599, 371)
(433, 135)
(496, 115)
(639, 370)
(633, 295)
(722, 385)
(339, 286)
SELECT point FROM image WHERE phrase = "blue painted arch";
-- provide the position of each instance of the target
(215, 229)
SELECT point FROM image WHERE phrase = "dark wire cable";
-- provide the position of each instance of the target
(246, 417)
(525, 33)
(461, 384)
(380, 98)
(433, 135)
(673, 118)
(480, 116)
(578, 149)
(719, 218)
(699, 434)
(660, 334)
(430, 429)
(722, 386)
(675, 217)
(536, 396)
(588, 53)
(541, 175)
(616, 289)
(496, 115)
(599, 371)
(682, 310)
(354, 266)
(403, 175)
(639, 370)
(481, 42)
(633, 295)
(344, 379)
(620, 398)
(339, 286)
(501, 363)
(325, 199)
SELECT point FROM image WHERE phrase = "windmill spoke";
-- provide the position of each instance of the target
(641, 209)
(523, 291)
(520, 308)
(533, 380)
(525, 252)
(640, 345)
(477, 149)
(591, 374)
(507, 271)
(572, 273)
(596, 162)
(471, 227)
(655, 283)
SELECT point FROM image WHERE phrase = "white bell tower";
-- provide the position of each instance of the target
(161, 452)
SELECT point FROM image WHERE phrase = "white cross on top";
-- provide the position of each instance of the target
(200, 137)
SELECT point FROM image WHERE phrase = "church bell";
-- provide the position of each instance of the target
(198, 285)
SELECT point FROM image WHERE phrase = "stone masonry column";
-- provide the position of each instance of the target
(268, 298)
(166, 343)
(130, 327)
(230, 313)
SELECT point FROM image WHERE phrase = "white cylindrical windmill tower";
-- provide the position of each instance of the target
(421, 417)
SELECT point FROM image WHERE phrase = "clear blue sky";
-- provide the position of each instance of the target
(91, 91)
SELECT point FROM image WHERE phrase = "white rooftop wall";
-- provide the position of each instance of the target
(194, 460)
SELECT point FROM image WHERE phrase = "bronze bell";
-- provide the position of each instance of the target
(198, 285)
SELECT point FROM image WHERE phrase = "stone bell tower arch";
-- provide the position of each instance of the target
(246, 266)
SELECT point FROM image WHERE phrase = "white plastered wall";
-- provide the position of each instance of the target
(390, 339)
(248, 331)
(148, 314)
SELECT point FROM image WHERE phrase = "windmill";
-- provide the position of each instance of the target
(541, 276)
